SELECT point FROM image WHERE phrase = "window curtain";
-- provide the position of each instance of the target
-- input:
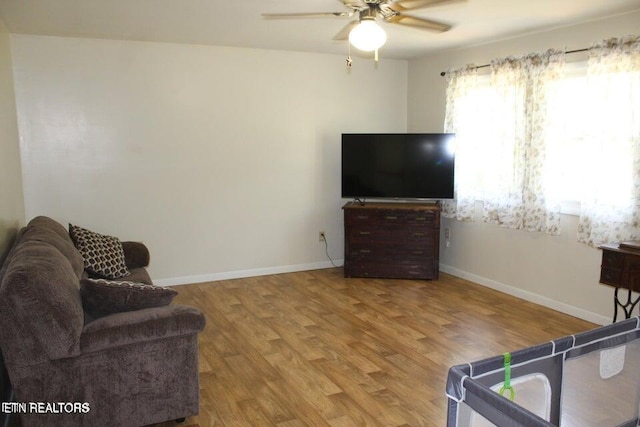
(462, 104)
(501, 144)
(610, 209)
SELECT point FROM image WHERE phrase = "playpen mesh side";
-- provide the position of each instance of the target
(590, 379)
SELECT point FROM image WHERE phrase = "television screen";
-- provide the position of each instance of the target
(398, 166)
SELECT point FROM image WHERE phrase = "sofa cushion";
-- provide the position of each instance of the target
(40, 305)
(103, 255)
(102, 297)
(41, 232)
(46, 222)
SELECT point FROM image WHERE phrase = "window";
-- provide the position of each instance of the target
(575, 150)
(538, 134)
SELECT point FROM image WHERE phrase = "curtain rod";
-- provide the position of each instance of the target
(444, 73)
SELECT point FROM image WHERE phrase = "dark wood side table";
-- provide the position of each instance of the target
(621, 268)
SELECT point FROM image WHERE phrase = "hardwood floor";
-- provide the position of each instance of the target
(316, 349)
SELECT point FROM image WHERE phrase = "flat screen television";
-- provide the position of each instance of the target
(398, 166)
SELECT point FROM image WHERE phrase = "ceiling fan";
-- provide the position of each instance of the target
(363, 33)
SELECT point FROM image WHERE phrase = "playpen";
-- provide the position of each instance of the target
(588, 379)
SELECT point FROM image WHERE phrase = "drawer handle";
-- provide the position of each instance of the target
(418, 252)
(418, 234)
(421, 218)
(391, 217)
(365, 233)
(365, 251)
(363, 217)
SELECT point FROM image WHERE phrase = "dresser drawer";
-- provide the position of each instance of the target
(383, 235)
(370, 234)
(402, 254)
(612, 259)
(611, 276)
(385, 217)
(389, 270)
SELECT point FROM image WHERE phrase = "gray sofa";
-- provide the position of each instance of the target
(131, 368)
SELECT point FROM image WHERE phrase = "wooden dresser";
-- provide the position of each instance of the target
(391, 240)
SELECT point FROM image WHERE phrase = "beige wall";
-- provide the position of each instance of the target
(224, 161)
(555, 271)
(11, 203)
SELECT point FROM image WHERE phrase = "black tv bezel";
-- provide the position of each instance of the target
(450, 193)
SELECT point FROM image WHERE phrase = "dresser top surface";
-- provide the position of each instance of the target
(394, 205)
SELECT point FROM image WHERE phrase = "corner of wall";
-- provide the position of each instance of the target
(12, 214)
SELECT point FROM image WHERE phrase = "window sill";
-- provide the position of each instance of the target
(570, 208)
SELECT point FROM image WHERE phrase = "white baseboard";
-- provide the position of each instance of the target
(239, 274)
(528, 296)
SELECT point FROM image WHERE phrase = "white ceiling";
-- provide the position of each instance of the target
(239, 22)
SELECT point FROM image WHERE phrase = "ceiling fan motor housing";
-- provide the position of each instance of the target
(368, 14)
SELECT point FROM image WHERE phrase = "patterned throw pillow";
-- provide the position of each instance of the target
(103, 255)
(102, 297)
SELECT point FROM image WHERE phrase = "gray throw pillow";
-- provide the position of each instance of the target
(103, 255)
(101, 297)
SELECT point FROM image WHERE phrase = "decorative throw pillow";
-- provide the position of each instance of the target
(103, 255)
(101, 297)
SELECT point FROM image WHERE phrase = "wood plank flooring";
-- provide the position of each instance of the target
(316, 349)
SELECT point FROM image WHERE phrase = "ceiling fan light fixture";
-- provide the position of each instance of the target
(367, 36)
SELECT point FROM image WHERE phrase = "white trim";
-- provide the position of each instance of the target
(239, 274)
(528, 296)
(570, 207)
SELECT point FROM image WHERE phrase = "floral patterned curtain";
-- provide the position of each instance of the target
(461, 108)
(520, 199)
(501, 144)
(610, 210)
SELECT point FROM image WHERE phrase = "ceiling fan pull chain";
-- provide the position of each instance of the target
(349, 61)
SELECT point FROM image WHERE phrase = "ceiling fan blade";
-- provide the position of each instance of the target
(343, 34)
(402, 5)
(354, 4)
(304, 15)
(423, 24)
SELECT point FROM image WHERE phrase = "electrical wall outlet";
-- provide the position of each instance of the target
(321, 237)
(447, 233)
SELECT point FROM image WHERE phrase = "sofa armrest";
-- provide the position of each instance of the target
(136, 254)
(138, 326)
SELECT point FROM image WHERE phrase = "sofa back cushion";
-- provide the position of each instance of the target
(46, 222)
(47, 234)
(40, 305)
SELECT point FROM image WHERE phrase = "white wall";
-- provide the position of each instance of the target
(552, 270)
(11, 201)
(224, 161)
